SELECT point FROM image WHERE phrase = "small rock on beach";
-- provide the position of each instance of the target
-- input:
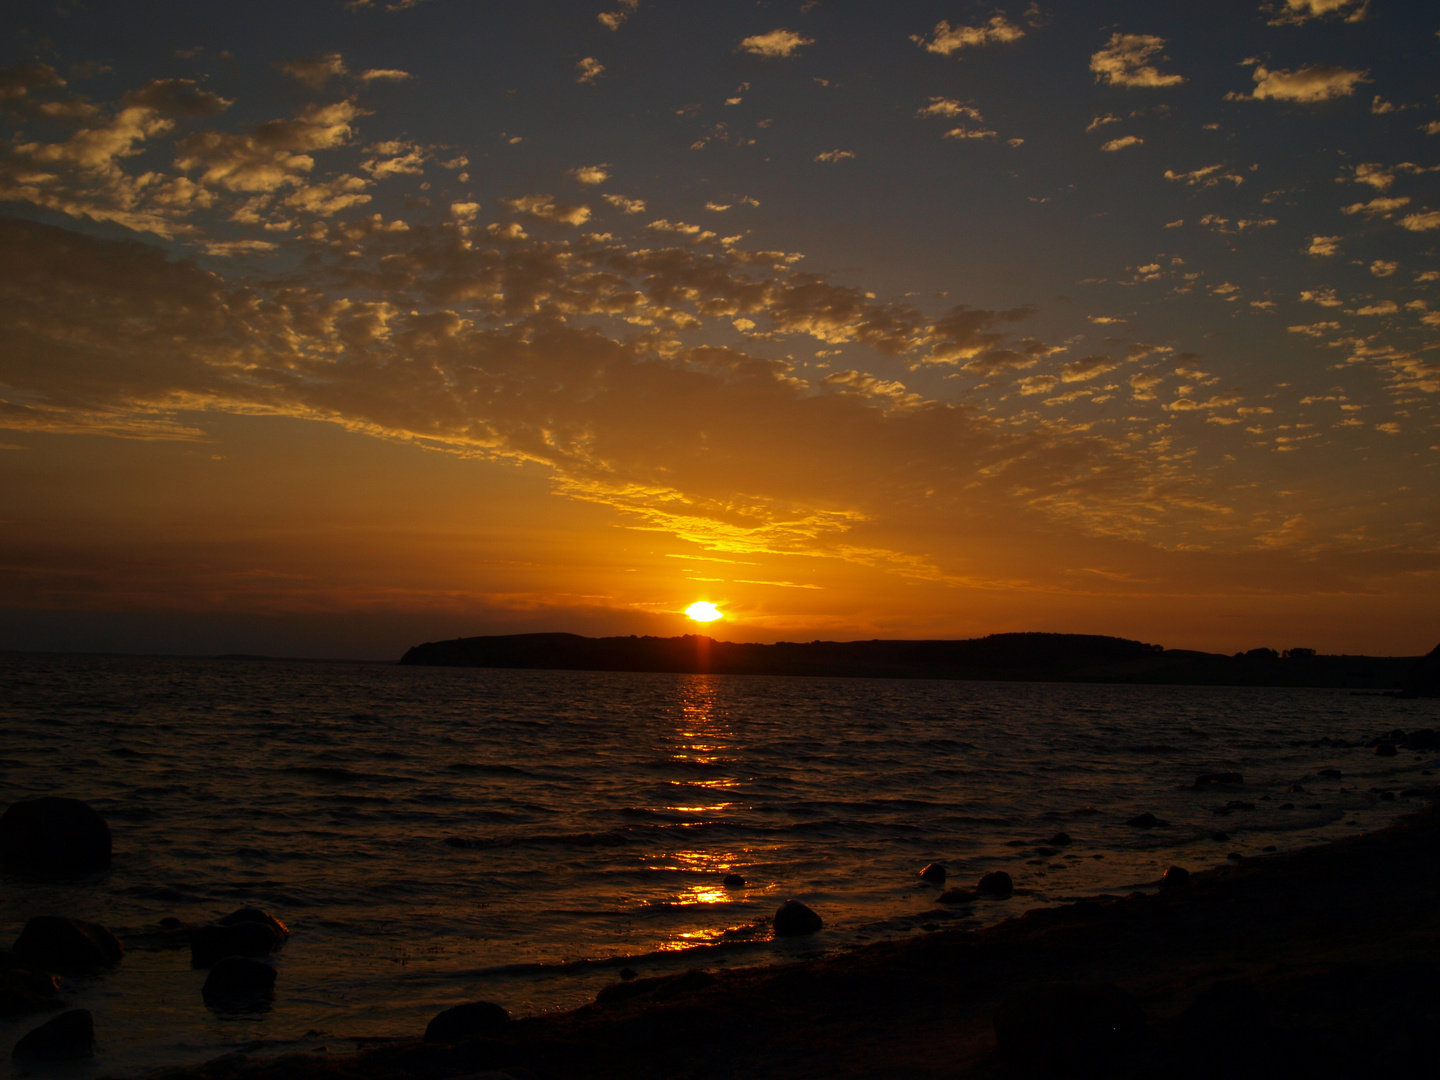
(67, 946)
(69, 1036)
(467, 1021)
(997, 884)
(794, 919)
(52, 835)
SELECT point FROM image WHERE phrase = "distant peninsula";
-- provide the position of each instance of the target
(1017, 657)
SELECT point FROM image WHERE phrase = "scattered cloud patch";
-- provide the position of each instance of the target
(1122, 142)
(1383, 268)
(612, 20)
(1422, 222)
(833, 156)
(629, 206)
(947, 40)
(588, 70)
(776, 43)
(946, 107)
(545, 208)
(1297, 12)
(1206, 177)
(590, 174)
(1125, 61)
(1306, 85)
(1323, 246)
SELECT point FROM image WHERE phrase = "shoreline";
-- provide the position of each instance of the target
(1334, 950)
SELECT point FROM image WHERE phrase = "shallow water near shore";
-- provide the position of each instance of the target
(433, 836)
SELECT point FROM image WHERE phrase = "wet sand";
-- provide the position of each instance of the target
(1327, 963)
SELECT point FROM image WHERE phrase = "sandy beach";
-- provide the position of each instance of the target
(1321, 963)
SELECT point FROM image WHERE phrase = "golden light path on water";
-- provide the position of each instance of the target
(702, 739)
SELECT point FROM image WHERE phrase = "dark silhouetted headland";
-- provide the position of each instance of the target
(1022, 657)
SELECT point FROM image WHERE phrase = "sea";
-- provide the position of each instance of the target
(433, 836)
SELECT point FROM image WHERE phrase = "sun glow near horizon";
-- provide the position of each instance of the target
(703, 611)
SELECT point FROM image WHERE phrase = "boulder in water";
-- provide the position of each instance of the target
(1060, 839)
(1175, 879)
(256, 915)
(24, 991)
(51, 835)
(467, 1021)
(1211, 779)
(239, 981)
(934, 873)
(67, 946)
(735, 881)
(69, 1036)
(210, 944)
(995, 884)
(1146, 820)
(794, 919)
(1067, 1029)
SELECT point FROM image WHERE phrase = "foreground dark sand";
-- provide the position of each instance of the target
(1341, 943)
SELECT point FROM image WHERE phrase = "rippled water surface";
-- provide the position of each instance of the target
(438, 835)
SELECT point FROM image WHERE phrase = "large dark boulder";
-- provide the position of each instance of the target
(1067, 1028)
(24, 991)
(794, 919)
(69, 1036)
(257, 915)
(51, 835)
(67, 946)
(210, 944)
(467, 1021)
(239, 981)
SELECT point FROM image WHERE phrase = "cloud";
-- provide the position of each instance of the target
(588, 70)
(1422, 222)
(946, 40)
(1322, 82)
(1323, 246)
(968, 133)
(1319, 329)
(591, 174)
(1087, 367)
(1297, 12)
(384, 75)
(395, 158)
(1323, 297)
(177, 98)
(612, 20)
(272, 155)
(331, 197)
(545, 208)
(833, 156)
(629, 206)
(1384, 307)
(1122, 142)
(1124, 61)
(1378, 207)
(947, 107)
(1382, 268)
(1206, 177)
(775, 43)
(315, 73)
(1101, 121)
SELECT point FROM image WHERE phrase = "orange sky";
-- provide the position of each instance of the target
(325, 335)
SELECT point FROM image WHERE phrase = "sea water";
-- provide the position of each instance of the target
(440, 835)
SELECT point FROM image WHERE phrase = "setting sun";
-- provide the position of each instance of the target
(704, 611)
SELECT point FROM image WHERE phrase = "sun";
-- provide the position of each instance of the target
(704, 611)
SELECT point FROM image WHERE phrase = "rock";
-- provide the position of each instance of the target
(67, 946)
(1211, 779)
(794, 919)
(255, 915)
(467, 1021)
(1067, 1028)
(1237, 804)
(1331, 774)
(997, 883)
(659, 988)
(1220, 837)
(209, 944)
(1385, 748)
(69, 1036)
(51, 835)
(24, 991)
(1235, 856)
(627, 973)
(933, 873)
(735, 881)
(957, 896)
(1424, 739)
(1175, 879)
(1295, 789)
(239, 980)
(1060, 839)
(1146, 820)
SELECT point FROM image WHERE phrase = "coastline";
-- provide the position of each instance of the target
(1336, 946)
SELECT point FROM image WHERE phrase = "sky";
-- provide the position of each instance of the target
(329, 328)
